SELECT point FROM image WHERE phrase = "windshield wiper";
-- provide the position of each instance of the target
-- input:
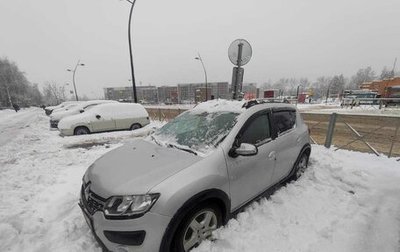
(155, 140)
(181, 148)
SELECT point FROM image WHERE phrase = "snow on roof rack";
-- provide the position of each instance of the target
(251, 103)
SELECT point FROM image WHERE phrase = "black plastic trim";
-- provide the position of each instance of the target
(132, 238)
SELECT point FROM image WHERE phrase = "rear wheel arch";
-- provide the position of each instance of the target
(211, 196)
(305, 150)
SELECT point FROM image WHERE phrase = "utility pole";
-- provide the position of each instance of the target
(134, 95)
(73, 76)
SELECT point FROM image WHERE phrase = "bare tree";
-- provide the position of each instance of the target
(386, 73)
(362, 75)
(54, 93)
(14, 87)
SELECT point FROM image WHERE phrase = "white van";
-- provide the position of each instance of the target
(105, 117)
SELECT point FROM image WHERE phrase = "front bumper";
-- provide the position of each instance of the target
(66, 132)
(146, 230)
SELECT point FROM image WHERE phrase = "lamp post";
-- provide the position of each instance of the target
(205, 72)
(134, 95)
(297, 94)
(73, 76)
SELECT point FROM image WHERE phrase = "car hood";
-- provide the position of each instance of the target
(135, 168)
(59, 115)
(68, 122)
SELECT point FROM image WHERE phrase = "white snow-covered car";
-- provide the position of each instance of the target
(50, 109)
(105, 117)
(79, 108)
(66, 107)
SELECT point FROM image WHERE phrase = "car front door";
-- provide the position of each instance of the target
(251, 175)
(102, 120)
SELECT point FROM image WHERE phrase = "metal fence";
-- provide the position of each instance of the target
(377, 134)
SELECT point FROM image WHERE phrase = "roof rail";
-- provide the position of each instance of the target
(251, 103)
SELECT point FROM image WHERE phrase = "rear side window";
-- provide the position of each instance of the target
(257, 130)
(284, 120)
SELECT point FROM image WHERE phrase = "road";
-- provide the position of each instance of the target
(11, 123)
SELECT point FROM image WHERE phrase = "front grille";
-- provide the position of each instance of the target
(91, 201)
(53, 123)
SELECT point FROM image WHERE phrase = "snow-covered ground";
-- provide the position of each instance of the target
(346, 201)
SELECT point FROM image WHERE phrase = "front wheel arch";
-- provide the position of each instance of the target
(81, 127)
(212, 196)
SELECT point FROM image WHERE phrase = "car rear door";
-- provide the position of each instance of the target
(251, 175)
(287, 149)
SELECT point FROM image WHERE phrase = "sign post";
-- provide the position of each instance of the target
(239, 54)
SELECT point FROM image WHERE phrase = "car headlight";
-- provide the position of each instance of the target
(127, 206)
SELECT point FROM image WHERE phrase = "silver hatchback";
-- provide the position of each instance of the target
(170, 191)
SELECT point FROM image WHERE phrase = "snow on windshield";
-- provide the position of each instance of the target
(201, 132)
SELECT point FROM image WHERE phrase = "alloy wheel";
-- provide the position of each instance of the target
(200, 228)
(301, 166)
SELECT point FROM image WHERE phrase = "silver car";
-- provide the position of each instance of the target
(170, 191)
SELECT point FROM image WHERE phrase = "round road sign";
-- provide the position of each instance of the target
(246, 52)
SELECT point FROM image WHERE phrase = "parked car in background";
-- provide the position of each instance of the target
(49, 109)
(79, 108)
(66, 107)
(170, 191)
(105, 117)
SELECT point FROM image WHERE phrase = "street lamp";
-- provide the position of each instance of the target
(73, 76)
(130, 50)
(297, 94)
(205, 72)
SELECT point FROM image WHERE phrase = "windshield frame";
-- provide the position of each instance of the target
(212, 128)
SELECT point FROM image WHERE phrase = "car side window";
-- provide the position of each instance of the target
(257, 130)
(284, 120)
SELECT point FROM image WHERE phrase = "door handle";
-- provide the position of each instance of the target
(272, 155)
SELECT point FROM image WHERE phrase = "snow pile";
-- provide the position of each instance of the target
(346, 201)
(219, 105)
(40, 179)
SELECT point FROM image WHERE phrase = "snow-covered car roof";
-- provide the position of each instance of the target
(221, 105)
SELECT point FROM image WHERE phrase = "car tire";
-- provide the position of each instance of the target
(196, 226)
(301, 166)
(81, 131)
(135, 126)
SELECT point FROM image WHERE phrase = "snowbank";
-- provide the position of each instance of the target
(346, 201)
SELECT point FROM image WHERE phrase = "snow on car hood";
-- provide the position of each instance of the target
(68, 122)
(135, 168)
(60, 115)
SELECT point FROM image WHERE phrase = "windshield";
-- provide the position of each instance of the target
(198, 131)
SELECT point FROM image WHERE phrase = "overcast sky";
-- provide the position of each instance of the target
(290, 38)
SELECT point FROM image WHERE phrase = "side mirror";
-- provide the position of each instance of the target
(244, 149)
(81, 111)
(98, 116)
